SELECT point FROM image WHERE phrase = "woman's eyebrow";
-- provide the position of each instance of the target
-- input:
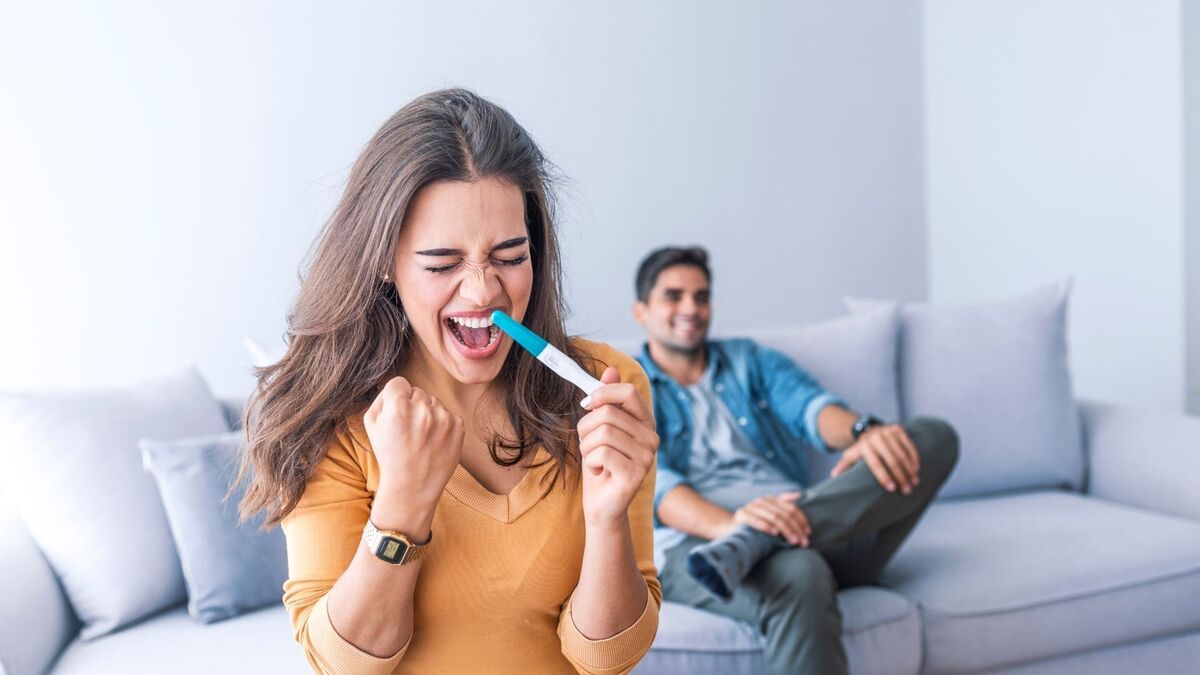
(445, 252)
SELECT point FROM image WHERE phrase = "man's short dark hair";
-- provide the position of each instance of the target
(668, 256)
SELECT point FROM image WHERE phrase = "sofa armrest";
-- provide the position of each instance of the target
(1143, 458)
(36, 621)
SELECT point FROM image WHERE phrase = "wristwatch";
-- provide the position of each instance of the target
(391, 547)
(863, 423)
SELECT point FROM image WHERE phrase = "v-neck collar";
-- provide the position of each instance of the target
(503, 508)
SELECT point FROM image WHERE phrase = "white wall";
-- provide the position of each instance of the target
(1191, 71)
(1054, 148)
(165, 165)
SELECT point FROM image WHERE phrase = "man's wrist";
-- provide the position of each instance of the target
(717, 527)
(725, 527)
(862, 423)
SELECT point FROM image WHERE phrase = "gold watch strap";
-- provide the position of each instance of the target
(391, 542)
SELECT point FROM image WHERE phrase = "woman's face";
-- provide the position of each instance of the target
(463, 252)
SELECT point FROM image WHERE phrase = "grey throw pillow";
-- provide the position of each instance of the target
(74, 474)
(998, 373)
(228, 568)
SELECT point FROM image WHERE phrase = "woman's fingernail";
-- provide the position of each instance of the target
(891, 487)
(587, 400)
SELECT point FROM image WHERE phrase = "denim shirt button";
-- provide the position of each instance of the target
(770, 454)
(762, 404)
(743, 421)
(720, 387)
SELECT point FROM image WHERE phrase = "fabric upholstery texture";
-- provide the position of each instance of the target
(228, 568)
(68, 454)
(172, 642)
(881, 633)
(1146, 458)
(998, 372)
(35, 619)
(1027, 576)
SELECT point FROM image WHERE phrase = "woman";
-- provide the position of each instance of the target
(448, 504)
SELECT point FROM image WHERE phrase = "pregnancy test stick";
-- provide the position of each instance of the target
(545, 352)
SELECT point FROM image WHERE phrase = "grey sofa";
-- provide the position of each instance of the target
(1104, 579)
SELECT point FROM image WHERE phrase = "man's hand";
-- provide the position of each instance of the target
(889, 454)
(776, 515)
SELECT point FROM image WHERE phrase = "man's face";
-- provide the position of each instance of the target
(676, 314)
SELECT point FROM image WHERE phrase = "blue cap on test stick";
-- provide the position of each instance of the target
(531, 341)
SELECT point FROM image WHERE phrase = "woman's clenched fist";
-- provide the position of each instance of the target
(416, 440)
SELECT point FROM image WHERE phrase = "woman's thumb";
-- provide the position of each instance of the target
(610, 376)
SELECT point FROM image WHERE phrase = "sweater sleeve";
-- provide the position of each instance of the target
(621, 652)
(323, 532)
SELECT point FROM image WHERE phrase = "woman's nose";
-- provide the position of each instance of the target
(480, 285)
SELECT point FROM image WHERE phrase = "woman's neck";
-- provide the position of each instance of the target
(454, 395)
(477, 404)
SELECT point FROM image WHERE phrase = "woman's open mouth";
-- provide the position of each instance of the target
(474, 337)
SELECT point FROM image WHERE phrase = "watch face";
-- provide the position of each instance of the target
(391, 549)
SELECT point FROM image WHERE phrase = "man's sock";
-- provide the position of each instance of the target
(721, 564)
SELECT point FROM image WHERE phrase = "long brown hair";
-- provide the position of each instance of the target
(347, 333)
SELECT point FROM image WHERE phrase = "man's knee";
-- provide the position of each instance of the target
(937, 443)
(797, 577)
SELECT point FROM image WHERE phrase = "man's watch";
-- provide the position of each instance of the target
(393, 547)
(866, 421)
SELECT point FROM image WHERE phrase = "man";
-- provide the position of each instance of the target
(743, 530)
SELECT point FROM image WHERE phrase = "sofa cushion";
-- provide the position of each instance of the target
(35, 619)
(258, 642)
(880, 631)
(1177, 654)
(998, 372)
(1006, 579)
(229, 568)
(74, 473)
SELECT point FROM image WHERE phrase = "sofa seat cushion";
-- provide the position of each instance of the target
(1014, 578)
(173, 642)
(881, 633)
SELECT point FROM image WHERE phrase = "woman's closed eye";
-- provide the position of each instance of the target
(507, 262)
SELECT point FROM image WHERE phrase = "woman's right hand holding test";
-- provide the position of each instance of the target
(418, 444)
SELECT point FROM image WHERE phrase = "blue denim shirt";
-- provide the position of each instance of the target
(773, 400)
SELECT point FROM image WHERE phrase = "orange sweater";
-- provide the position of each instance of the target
(493, 592)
